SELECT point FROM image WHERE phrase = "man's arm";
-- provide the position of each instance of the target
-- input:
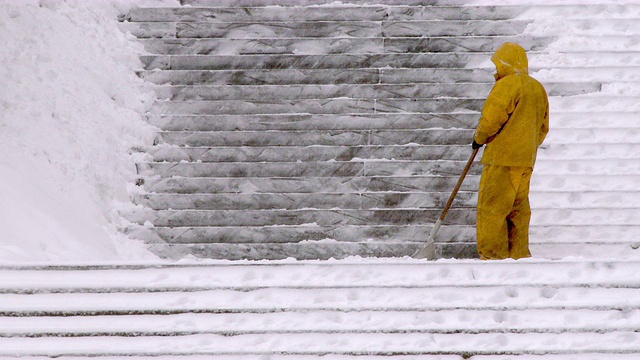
(497, 109)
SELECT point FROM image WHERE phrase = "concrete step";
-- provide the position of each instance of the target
(330, 61)
(353, 236)
(363, 91)
(399, 52)
(307, 153)
(433, 198)
(248, 185)
(271, 77)
(576, 216)
(263, 11)
(285, 122)
(374, 76)
(386, 200)
(311, 250)
(448, 60)
(324, 106)
(308, 46)
(457, 120)
(368, 45)
(320, 217)
(385, 105)
(540, 183)
(332, 169)
(318, 138)
(464, 44)
(256, 29)
(598, 151)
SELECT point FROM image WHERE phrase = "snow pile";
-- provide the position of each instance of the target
(70, 112)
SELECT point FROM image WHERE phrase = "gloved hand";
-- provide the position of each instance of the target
(475, 145)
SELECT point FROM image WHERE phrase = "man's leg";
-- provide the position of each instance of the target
(520, 215)
(495, 202)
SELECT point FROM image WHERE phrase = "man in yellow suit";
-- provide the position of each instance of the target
(514, 123)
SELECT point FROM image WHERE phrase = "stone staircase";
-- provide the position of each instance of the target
(327, 130)
(337, 310)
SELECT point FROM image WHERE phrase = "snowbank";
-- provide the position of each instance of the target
(70, 113)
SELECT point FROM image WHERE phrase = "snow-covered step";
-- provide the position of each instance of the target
(304, 344)
(591, 151)
(346, 273)
(613, 167)
(273, 299)
(446, 321)
(350, 309)
(580, 183)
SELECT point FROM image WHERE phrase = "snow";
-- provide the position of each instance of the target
(70, 113)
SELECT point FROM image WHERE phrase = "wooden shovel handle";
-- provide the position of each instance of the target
(459, 184)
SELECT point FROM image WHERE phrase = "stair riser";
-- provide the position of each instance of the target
(316, 77)
(303, 201)
(306, 185)
(299, 92)
(285, 122)
(329, 106)
(263, 237)
(294, 154)
(361, 29)
(320, 250)
(242, 30)
(322, 169)
(318, 138)
(183, 218)
(324, 29)
(395, 59)
(261, 11)
(263, 46)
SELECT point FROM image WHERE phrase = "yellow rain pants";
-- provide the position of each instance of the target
(504, 213)
(514, 123)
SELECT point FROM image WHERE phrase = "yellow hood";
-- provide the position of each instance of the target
(510, 58)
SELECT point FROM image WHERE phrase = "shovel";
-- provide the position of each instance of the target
(429, 250)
